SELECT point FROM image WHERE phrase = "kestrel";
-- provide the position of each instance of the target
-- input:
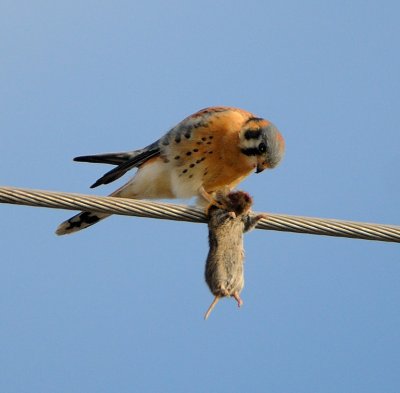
(213, 149)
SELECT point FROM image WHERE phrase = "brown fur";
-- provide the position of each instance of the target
(224, 267)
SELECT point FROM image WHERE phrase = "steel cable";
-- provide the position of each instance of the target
(169, 211)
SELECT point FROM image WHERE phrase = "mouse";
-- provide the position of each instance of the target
(228, 219)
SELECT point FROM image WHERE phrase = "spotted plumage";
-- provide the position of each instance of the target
(214, 148)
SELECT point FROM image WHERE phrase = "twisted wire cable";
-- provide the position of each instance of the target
(169, 211)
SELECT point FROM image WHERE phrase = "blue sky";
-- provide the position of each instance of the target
(118, 307)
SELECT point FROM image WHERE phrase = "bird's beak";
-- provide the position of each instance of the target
(260, 168)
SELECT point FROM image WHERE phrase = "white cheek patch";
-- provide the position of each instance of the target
(250, 143)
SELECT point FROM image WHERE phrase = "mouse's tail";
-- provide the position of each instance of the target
(212, 305)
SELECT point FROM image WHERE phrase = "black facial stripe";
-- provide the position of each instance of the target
(252, 134)
(253, 119)
(251, 151)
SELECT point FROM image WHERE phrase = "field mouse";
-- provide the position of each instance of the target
(224, 266)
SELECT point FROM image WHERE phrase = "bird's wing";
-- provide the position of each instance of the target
(124, 162)
(107, 158)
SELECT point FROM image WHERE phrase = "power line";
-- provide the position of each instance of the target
(169, 211)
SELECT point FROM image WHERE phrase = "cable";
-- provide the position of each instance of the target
(169, 211)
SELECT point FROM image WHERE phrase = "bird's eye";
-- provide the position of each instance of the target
(262, 147)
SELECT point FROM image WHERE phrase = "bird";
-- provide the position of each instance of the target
(212, 149)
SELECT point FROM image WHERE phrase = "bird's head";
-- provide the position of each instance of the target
(261, 139)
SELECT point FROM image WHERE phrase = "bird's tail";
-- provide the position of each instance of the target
(134, 158)
(80, 221)
(83, 220)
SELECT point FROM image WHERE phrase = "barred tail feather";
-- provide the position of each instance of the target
(83, 220)
(79, 221)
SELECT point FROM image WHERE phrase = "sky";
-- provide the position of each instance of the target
(119, 307)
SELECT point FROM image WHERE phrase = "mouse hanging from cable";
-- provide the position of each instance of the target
(224, 272)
